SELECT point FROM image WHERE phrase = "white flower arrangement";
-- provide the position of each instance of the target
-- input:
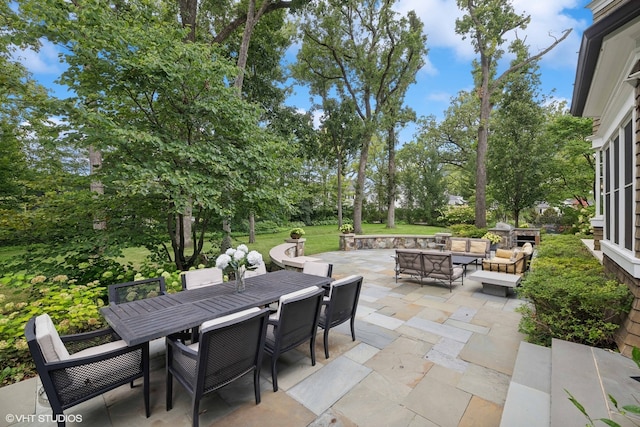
(239, 257)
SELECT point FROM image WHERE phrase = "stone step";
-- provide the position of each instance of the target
(575, 371)
(537, 394)
(528, 398)
(590, 374)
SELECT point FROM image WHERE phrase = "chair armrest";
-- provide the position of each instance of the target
(273, 322)
(88, 335)
(180, 347)
(96, 358)
(84, 340)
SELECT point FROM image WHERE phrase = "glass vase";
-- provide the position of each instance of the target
(240, 284)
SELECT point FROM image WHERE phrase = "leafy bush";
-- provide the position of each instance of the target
(73, 306)
(570, 296)
(467, 230)
(458, 215)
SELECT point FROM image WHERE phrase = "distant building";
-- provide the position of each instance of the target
(456, 201)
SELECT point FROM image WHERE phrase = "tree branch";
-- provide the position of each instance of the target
(498, 81)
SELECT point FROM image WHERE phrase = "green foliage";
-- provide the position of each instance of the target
(570, 296)
(73, 305)
(494, 238)
(457, 215)
(467, 230)
(298, 230)
(346, 228)
(421, 179)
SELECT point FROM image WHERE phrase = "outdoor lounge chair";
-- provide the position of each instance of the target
(90, 370)
(201, 277)
(340, 306)
(229, 348)
(136, 290)
(294, 322)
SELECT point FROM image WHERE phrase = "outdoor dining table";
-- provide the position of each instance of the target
(147, 319)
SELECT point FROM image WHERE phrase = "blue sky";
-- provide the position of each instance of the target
(448, 64)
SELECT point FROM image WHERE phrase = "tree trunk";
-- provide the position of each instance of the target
(226, 239)
(252, 18)
(339, 193)
(391, 184)
(252, 227)
(188, 11)
(186, 228)
(483, 143)
(360, 180)
(95, 163)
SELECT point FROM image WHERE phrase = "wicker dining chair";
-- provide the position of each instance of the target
(137, 290)
(89, 369)
(294, 322)
(323, 269)
(201, 277)
(228, 348)
(340, 306)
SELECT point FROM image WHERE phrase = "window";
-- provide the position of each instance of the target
(617, 175)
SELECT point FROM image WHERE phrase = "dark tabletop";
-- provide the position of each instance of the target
(144, 320)
(464, 259)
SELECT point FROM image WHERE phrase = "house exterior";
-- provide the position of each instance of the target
(607, 89)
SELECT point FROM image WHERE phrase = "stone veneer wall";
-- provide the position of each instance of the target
(598, 233)
(352, 242)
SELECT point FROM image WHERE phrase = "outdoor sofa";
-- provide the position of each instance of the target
(431, 264)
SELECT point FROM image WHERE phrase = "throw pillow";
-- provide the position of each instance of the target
(458, 246)
(478, 247)
(504, 253)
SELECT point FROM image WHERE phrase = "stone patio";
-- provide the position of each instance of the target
(423, 356)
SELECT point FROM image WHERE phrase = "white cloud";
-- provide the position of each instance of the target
(547, 17)
(316, 115)
(44, 61)
(439, 97)
(428, 68)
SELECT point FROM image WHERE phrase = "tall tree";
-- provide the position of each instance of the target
(421, 178)
(339, 137)
(486, 23)
(573, 163)
(369, 56)
(518, 155)
(172, 131)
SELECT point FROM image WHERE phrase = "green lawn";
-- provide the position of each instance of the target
(322, 238)
(325, 238)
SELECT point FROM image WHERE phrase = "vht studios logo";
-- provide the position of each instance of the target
(42, 418)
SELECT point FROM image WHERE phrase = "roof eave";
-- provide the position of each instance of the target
(590, 51)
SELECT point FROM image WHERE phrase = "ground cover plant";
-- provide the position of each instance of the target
(571, 297)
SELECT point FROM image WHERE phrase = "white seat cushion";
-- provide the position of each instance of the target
(48, 339)
(99, 349)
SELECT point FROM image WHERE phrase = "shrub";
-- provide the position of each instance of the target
(458, 215)
(73, 306)
(467, 230)
(570, 296)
